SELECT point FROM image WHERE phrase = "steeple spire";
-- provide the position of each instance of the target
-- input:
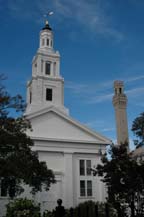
(46, 89)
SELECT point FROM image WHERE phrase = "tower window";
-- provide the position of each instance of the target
(48, 94)
(120, 90)
(47, 68)
(47, 42)
(54, 68)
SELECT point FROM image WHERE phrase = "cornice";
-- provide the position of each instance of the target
(68, 141)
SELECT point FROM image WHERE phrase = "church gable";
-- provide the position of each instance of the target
(52, 125)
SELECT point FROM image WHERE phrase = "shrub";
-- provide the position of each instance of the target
(88, 209)
(22, 208)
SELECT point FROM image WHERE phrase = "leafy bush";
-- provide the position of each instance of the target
(23, 208)
(86, 209)
(48, 213)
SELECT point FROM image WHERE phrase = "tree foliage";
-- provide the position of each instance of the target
(124, 178)
(138, 130)
(18, 163)
(22, 207)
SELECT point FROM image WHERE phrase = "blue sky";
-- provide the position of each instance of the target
(99, 41)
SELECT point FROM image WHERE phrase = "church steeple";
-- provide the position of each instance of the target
(46, 37)
(120, 104)
(46, 87)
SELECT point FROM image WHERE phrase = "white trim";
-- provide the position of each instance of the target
(68, 140)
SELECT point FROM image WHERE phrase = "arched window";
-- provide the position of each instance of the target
(47, 42)
(47, 68)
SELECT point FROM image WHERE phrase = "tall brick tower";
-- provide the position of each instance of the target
(120, 105)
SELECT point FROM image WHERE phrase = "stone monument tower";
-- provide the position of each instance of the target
(120, 104)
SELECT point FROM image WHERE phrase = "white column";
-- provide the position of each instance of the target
(68, 180)
(52, 68)
(57, 68)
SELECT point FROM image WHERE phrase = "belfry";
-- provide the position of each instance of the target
(46, 88)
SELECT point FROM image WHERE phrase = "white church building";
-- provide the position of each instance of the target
(69, 148)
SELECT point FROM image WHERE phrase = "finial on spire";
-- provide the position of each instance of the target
(46, 22)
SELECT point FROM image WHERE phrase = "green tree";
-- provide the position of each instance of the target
(23, 208)
(18, 163)
(124, 178)
(138, 130)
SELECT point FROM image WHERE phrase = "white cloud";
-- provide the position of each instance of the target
(95, 124)
(76, 88)
(89, 15)
(108, 129)
(102, 92)
(140, 104)
(100, 125)
(100, 98)
(135, 92)
(133, 79)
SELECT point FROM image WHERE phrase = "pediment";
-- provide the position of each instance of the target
(55, 125)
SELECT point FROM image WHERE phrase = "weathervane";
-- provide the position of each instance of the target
(50, 13)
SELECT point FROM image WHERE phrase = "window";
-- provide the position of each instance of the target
(82, 188)
(3, 190)
(54, 68)
(48, 94)
(82, 167)
(85, 188)
(85, 167)
(47, 68)
(47, 42)
(88, 167)
(89, 188)
(85, 176)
